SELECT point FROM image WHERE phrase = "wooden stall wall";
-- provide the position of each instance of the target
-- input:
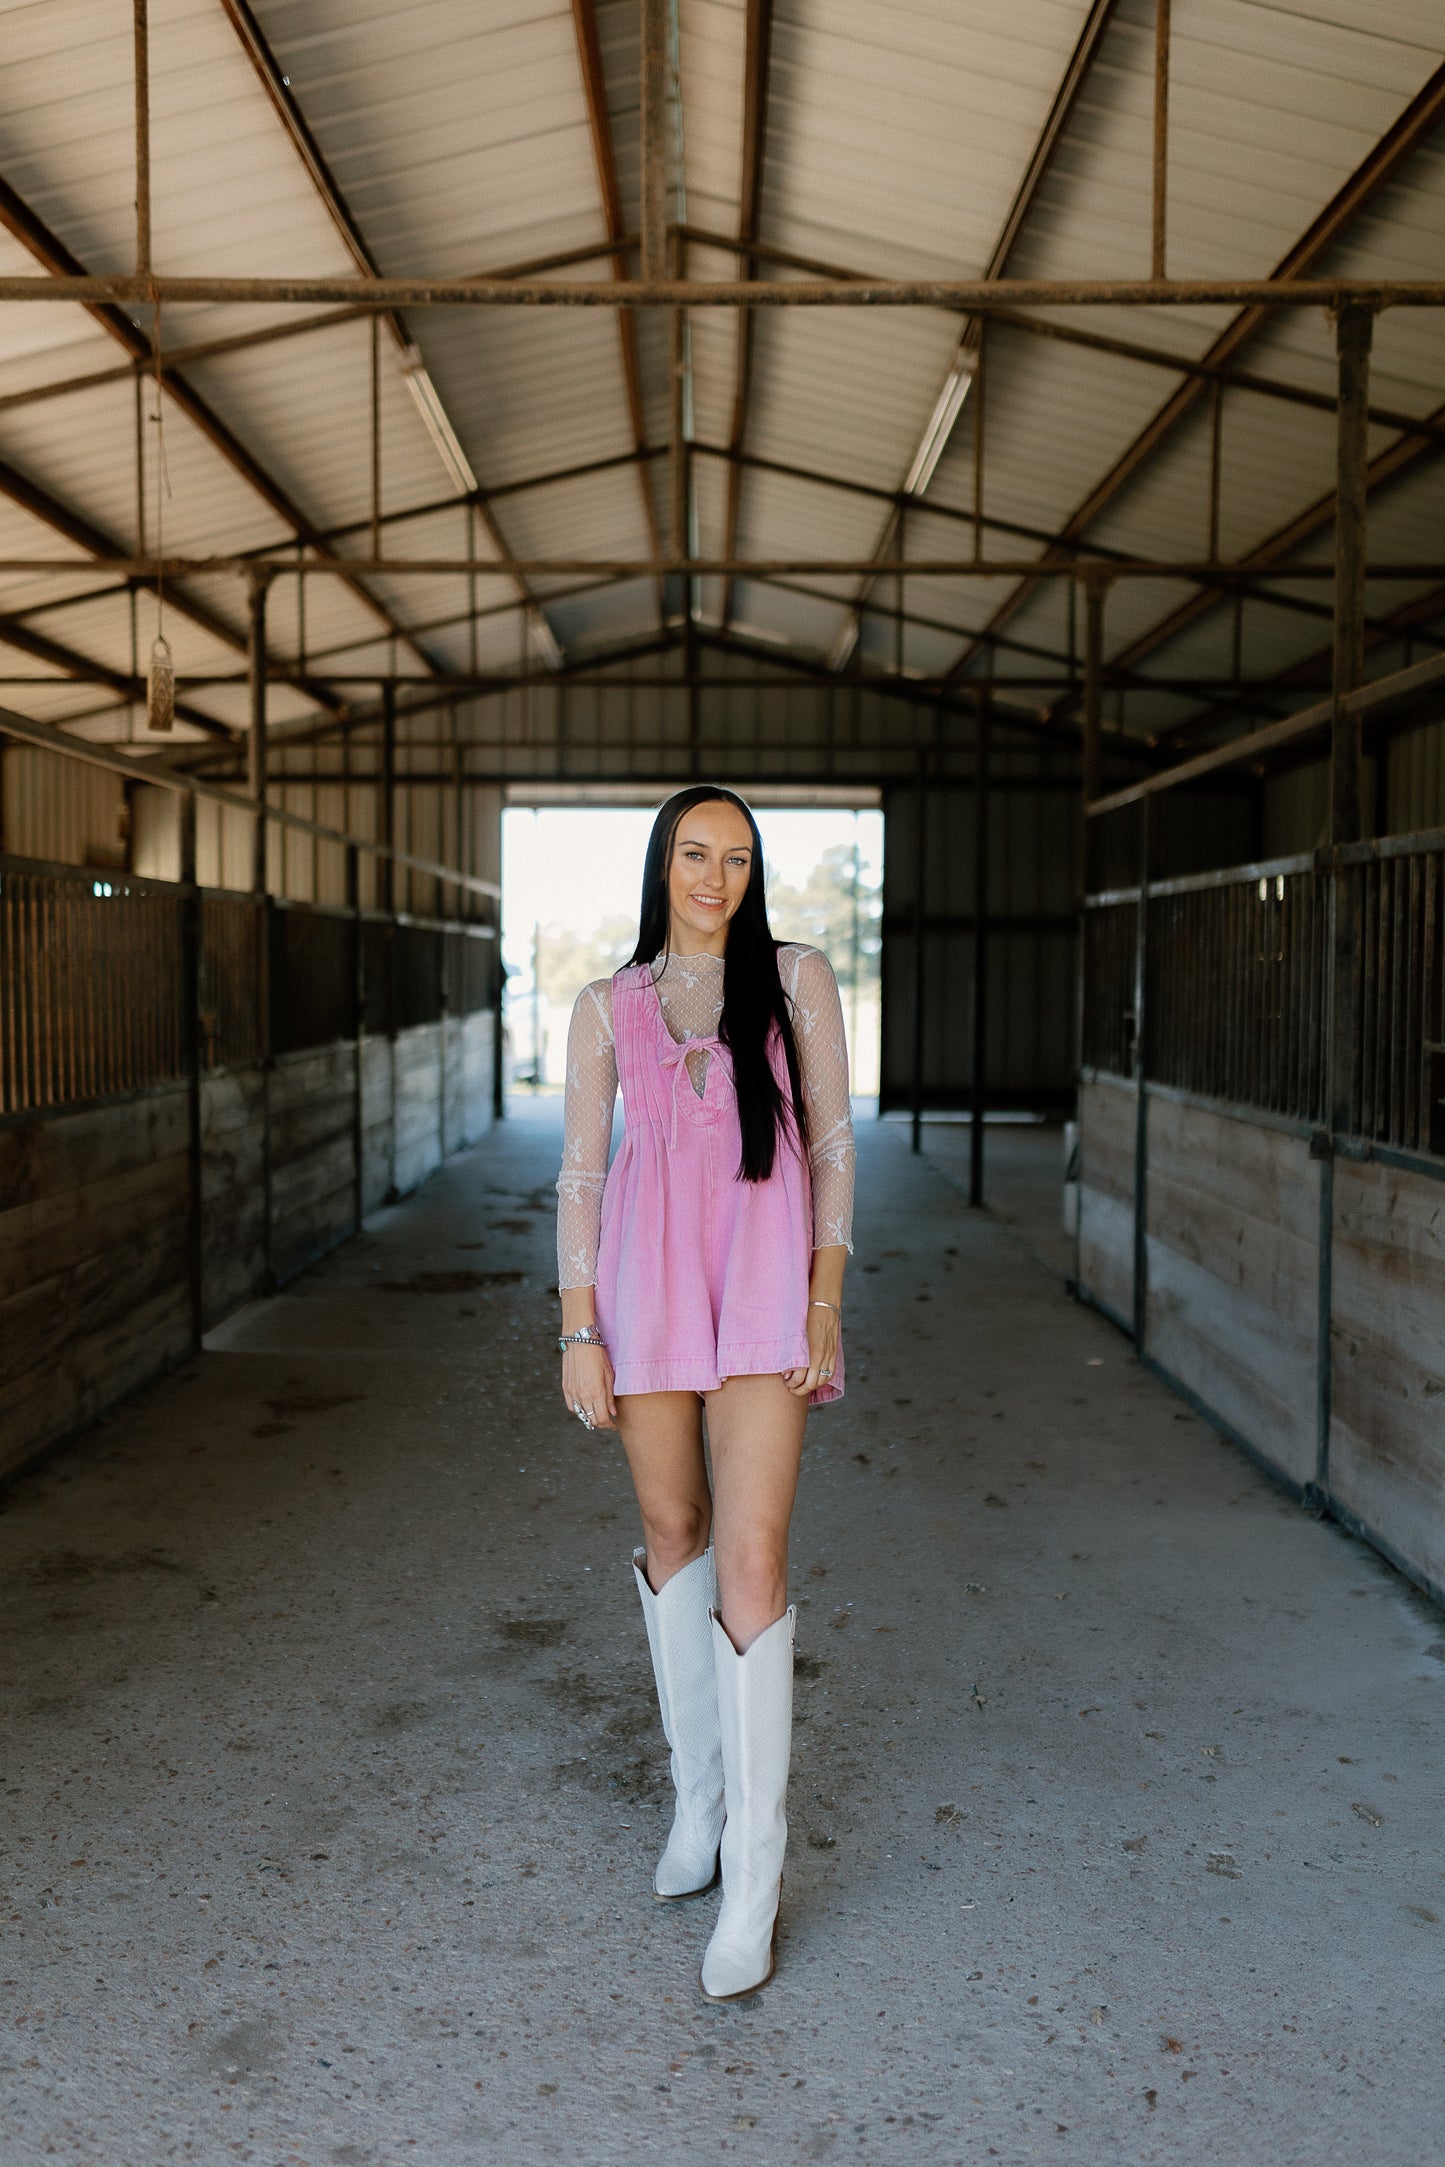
(1106, 1196)
(1233, 1268)
(95, 1279)
(1387, 1432)
(1235, 1211)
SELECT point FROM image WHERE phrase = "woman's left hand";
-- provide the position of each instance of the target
(822, 1353)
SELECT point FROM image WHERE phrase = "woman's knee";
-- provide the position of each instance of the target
(754, 1566)
(675, 1534)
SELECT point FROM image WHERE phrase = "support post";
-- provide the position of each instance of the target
(358, 1026)
(256, 748)
(1353, 330)
(1147, 831)
(678, 461)
(142, 141)
(191, 964)
(1354, 327)
(655, 25)
(920, 876)
(978, 1099)
(1161, 139)
(256, 769)
(1093, 750)
(386, 896)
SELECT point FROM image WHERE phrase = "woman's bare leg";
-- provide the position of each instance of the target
(755, 1428)
(662, 1437)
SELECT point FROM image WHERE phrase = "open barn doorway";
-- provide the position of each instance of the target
(571, 874)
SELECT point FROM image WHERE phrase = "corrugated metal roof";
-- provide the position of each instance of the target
(895, 142)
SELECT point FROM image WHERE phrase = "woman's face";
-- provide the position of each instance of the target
(712, 863)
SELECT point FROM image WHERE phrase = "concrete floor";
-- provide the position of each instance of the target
(333, 1788)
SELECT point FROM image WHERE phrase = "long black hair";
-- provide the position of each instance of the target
(753, 998)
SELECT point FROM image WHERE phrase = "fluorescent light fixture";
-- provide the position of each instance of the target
(941, 421)
(845, 643)
(544, 640)
(438, 427)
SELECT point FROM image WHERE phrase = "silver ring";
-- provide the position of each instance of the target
(584, 1418)
(826, 1374)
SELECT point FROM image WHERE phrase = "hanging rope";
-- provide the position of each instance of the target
(161, 676)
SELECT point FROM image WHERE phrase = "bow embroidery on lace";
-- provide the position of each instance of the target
(674, 1057)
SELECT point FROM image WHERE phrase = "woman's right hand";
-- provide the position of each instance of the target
(587, 1384)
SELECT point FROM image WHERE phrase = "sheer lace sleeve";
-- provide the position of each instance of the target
(587, 1134)
(823, 1058)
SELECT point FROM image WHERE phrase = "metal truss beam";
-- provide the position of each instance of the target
(1270, 555)
(967, 359)
(1409, 621)
(757, 67)
(30, 230)
(1374, 173)
(974, 297)
(1201, 571)
(237, 342)
(97, 544)
(1097, 342)
(84, 670)
(299, 134)
(604, 153)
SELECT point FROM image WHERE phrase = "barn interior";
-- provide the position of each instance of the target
(1028, 423)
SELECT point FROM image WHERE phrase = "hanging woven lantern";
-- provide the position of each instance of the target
(161, 688)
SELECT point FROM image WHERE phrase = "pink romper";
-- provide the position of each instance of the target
(700, 1276)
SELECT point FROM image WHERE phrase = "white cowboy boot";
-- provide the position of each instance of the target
(680, 1638)
(755, 1708)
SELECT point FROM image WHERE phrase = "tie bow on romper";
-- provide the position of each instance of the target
(699, 1276)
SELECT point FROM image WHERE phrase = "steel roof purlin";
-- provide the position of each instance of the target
(757, 57)
(300, 135)
(967, 363)
(1381, 164)
(21, 220)
(594, 83)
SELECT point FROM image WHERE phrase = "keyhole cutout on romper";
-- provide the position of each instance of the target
(697, 1072)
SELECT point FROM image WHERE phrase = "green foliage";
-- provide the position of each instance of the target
(821, 912)
(569, 961)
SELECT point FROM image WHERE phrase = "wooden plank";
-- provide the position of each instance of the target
(1250, 1169)
(46, 1321)
(1106, 1195)
(1234, 1274)
(1251, 1366)
(476, 1063)
(45, 1157)
(49, 1236)
(1387, 1437)
(309, 1234)
(297, 1184)
(230, 1101)
(53, 1399)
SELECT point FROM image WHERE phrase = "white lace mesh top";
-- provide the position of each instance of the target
(690, 990)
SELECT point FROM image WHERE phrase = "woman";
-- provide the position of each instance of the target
(705, 1272)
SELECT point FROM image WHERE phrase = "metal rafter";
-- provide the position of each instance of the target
(966, 359)
(1272, 553)
(48, 249)
(299, 134)
(1374, 172)
(83, 669)
(40, 504)
(604, 153)
(1410, 619)
(236, 342)
(757, 68)
(963, 296)
(1069, 334)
